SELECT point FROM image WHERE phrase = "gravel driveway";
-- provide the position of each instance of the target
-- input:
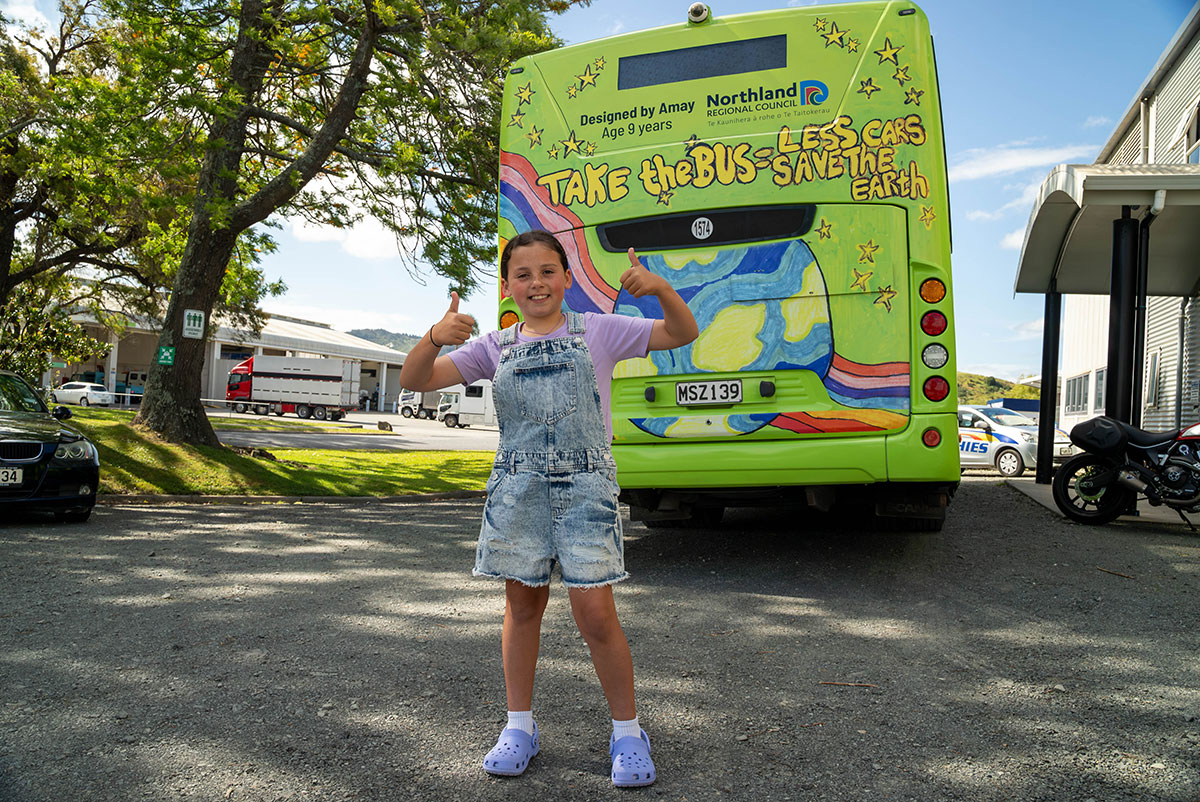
(338, 652)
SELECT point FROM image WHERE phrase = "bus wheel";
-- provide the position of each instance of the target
(320, 413)
(1009, 463)
(239, 408)
(451, 421)
(303, 411)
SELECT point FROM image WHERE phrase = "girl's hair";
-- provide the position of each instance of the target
(536, 236)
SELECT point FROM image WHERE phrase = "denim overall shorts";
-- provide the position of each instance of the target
(552, 495)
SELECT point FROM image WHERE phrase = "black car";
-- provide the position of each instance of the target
(45, 465)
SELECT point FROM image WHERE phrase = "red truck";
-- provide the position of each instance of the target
(316, 388)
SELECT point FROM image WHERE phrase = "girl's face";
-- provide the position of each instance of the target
(537, 282)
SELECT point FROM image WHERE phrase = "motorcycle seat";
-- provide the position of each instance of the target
(1140, 437)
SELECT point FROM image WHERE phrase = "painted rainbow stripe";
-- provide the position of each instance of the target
(858, 385)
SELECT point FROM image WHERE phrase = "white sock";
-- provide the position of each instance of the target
(521, 720)
(623, 729)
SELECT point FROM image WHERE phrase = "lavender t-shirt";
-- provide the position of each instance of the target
(609, 338)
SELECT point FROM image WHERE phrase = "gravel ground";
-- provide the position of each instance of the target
(342, 652)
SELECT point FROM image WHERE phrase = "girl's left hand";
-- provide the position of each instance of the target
(639, 281)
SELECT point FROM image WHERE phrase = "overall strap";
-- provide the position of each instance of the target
(575, 323)
(508, 336)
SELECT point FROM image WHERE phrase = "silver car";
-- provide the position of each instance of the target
(82, 393)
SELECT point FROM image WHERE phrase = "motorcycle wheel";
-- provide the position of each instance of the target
(1080, 501)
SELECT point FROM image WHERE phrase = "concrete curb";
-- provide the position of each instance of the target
(141, 500)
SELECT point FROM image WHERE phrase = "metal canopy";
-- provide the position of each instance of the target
(1069, 237)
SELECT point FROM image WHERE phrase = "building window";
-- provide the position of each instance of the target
(1076, 395)
(1098, 406)
(1193, 139)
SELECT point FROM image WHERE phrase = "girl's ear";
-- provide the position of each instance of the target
(504, 293)
(568, 273)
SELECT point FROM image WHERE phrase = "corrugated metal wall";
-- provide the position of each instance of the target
(1173, 104)
(1162, 335)
(1082, 351)
(1130, 149)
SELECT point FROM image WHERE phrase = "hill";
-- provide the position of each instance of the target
(401, 342)
(976, 389)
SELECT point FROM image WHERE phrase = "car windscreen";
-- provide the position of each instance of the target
(17, 396)
(1006, 417)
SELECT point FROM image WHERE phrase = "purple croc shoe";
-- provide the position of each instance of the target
(631, 763)
(510, 756)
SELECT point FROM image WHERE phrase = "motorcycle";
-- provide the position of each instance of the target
(1119, 463)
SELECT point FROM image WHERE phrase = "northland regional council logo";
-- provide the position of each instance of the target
(765, 98)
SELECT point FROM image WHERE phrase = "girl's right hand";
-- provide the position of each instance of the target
(454, 328)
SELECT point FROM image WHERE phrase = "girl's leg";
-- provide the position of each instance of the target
(596, 616)
(523, 608)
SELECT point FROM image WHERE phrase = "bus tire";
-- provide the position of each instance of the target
(320, 413)
(1009, 463)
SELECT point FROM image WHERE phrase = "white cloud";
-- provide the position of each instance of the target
(1022, 202)
(1005, 159)
(25, 11)
(1096, 121)
(1013, 240)
(1029, 330)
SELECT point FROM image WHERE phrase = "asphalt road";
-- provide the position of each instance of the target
(342, 652)
(407, 434)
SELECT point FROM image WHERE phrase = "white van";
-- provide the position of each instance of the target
(469, 405)
(995, 437)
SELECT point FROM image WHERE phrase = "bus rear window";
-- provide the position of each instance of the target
(704, 61)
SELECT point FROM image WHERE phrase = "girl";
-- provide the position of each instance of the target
(552, 495)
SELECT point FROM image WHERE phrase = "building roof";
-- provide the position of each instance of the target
(294, 334)
(1069, 236)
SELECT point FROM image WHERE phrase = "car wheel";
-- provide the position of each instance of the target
(1009, 463)
(320, 413)
(83, 402)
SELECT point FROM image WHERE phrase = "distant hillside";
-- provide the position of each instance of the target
(401, 342)
(976, 389)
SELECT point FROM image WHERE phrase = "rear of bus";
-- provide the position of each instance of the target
(785, 171)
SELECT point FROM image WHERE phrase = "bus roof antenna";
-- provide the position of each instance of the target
(697, 13)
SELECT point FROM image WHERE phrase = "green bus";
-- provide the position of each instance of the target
(785, 170)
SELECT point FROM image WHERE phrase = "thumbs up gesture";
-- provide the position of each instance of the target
(454, 328)
(639, 281)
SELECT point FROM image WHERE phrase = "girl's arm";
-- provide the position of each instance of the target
(678, 326)
(423, 369)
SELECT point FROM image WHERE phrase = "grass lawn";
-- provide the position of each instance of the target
(133, 460)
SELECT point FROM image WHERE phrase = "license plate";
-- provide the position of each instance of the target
(11, 476)
(689, 394)
(1065, 451)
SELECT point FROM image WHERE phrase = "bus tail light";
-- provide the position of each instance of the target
(932, 290)
(931, 437)
(935, 356)
(933, 323)
(936, 388)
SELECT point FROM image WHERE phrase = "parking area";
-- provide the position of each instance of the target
(338, 652)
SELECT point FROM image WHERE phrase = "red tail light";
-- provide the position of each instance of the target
(936, 388)
(931, 437)
(933, 323)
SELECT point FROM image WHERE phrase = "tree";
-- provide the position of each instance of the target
(393, 104)
(95, 179)
(36, 322)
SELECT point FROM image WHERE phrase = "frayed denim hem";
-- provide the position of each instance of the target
(537, 584)
(541, 584)
(601, 584)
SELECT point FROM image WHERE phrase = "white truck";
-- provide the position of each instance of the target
(316, 388)
(463, 406)
(421, 405)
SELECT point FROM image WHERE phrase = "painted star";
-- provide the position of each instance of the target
(927, 216)
(835, 37)
(534, 136)
(692, 141)
(525, 95)
(516, 120)
(901, 74)
(590, 150)
(599, 63)
(852, 45)
(913, 96)
(819, 24)
(888, 53)
(572, 90)
(861, 279)
(886, 294)
(824, 229)
(588, 78)
(664, 197)
(868, 87)
(868, 252)
(571, 144)
(553, 152)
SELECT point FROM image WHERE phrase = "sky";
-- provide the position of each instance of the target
(1026, 85)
